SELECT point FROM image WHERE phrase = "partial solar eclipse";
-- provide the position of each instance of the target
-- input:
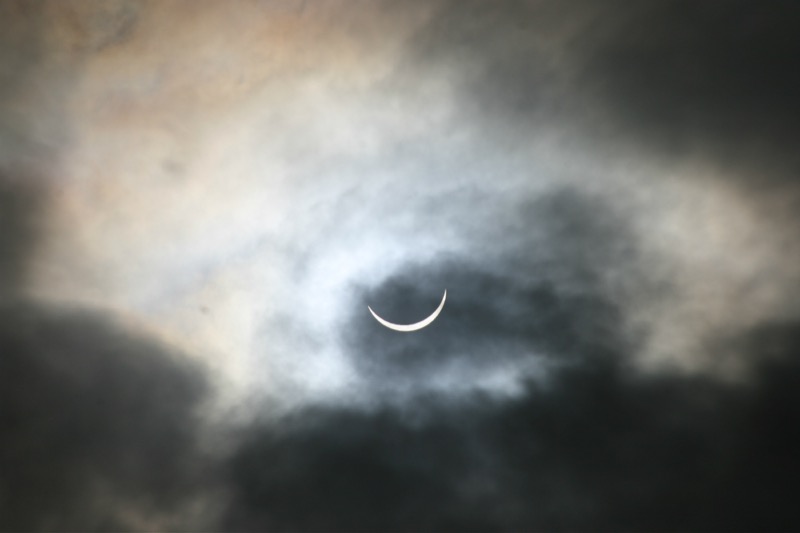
(411, 327)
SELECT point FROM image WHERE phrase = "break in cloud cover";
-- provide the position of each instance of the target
(198, 200)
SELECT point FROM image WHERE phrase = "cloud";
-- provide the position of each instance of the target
(598, 448)
(20, 207)
(672, 77)
(543, 293)
(719, 74)
(100, 427)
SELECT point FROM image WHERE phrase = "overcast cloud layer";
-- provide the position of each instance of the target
(199, 200)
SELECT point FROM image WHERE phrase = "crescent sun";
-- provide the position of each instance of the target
(411, 327)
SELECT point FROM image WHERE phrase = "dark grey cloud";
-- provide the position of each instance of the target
(675, 78)
(20, 207)
(540, 294)
(100, 427)
(724, 74)
(599, 448)
(505, 50)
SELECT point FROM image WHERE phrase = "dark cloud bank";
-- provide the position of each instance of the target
(673, 77)
(597, 445)
(98, 425)
(597, 449)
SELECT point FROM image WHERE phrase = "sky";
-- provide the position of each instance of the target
(199, 200)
